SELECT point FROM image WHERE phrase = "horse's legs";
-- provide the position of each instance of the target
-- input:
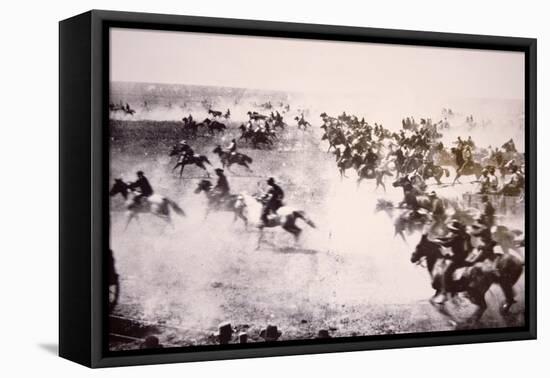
(442, 309)
(181, 170)
(438, 178)
(260, 237)
(294, 230)
(456, 178)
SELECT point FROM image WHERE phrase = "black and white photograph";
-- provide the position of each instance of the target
(266, 189)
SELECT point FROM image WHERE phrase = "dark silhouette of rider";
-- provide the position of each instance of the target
(143, 186)
(275, 196)
(221, 189)
(461, 245)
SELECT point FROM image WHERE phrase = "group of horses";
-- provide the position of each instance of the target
(414, 155)
(286, 217)
(431, 216)
(212, 126)
(409, 155)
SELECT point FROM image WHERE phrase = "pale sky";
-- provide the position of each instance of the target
(314, 66)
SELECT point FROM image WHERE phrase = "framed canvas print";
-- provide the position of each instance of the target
(234, 188)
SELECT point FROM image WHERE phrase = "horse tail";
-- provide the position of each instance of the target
(178, 210)
(247, 158)
(205, 159)
(302, 215)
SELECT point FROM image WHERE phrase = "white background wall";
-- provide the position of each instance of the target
(29, 188)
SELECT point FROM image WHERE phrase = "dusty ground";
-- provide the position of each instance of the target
(349, 275)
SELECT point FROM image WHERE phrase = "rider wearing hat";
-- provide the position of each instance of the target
(143, 186)
(186, 149)
(461, 245)
(274, 201)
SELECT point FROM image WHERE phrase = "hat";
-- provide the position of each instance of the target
(271, 180)
(271, 333)
(139, 173)
(225, 332)
(432, 194)
(219, 170)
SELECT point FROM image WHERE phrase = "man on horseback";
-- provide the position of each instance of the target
(461, 245)
(143, 186)
(186, 149)
(274, 199)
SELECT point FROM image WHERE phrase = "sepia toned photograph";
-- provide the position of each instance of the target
(268, 189)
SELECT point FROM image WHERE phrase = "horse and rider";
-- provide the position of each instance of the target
(142, 199)
(186, 155)
(143, 187)
(230, 156)
(480, 271)
(272, 200)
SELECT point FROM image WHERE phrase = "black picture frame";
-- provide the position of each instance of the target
(83, 100)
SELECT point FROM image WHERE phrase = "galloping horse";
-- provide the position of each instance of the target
(302, 123)
(228, 158)
(377, 173)
(475, 280)
(472, 168)
(155, 204)
(183, 160)
(215, 126)
(285, 217)
(233, 202)
(413, 192)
